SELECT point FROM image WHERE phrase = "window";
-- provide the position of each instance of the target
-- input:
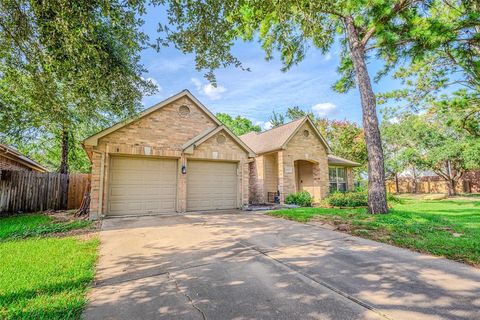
(338, 179)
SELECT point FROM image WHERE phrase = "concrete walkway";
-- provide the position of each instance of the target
(235, 265)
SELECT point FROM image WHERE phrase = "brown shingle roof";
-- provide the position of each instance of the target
(272, 139)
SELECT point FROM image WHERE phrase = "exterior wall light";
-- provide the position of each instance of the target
(184, 169)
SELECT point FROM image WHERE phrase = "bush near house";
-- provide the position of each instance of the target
(302, 199)
(353, 199)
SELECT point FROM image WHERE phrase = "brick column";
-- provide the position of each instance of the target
(281, 176)
(182, 185)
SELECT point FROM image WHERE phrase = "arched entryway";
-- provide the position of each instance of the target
(304, 176)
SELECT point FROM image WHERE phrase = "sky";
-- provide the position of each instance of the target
(255, 94)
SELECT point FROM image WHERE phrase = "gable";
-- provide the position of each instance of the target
(167, 122)
(307, 135)
(225, 145)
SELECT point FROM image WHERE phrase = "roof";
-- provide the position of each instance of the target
(278, 137)
(207, 134)
(15, 155)
(335, 160)
(93, 140)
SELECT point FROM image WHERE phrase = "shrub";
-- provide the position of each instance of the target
(302, 198)
(347, 199)
(354, 199)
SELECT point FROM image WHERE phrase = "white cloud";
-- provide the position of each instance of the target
(265, 125)
(197, 83)
(327, 57)
(214, 93)
(323, 109)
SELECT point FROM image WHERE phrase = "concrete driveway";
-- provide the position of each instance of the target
(236, 265)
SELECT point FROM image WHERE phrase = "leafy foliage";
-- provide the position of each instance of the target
(66, 70)
(239, 125)
(301, 198)
(431, 142)
(276, 119)
(347, 199)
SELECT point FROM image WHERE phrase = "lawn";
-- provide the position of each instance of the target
(44, 276)
(448, 228)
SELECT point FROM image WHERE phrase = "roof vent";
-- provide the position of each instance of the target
(221, 139)
(306, 133)
(183, 111)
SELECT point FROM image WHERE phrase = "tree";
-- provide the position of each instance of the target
(450, 63)
(66, 69)
(277, 119)
(209, 29)
(427, 143)
(296, 112)
(346, 139)
(238, 125)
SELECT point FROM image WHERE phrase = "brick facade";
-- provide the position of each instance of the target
(278, 170)
(165, 131)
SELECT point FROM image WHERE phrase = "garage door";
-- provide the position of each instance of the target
(211, 185)
(142, 186)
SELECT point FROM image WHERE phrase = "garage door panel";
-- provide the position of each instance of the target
(142, 186)
(211, 185)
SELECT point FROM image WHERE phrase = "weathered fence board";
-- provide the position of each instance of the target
(29, 191)
(78, 185)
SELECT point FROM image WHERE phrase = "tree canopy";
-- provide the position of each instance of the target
(238, 125)
(429, 142)
(389, 30)
(67, 69)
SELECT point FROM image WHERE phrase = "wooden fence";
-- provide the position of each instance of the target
(29, 191)
(426, 185)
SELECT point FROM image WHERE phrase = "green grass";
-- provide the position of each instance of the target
(43, 278)
(31, 225)
(449, 228)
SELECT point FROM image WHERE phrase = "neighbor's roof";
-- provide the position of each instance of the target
(278, 137)
(93, 140)
(334, 160)
(13, 154)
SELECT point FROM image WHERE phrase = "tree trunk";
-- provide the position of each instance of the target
(396, 184)
(414, 180)
(452, 187)
(377, 194)
(65, 149)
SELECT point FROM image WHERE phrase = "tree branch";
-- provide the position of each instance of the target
(401, 5)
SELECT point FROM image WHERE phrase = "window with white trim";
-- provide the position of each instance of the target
(338, 179)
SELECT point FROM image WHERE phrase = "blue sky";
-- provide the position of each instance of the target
(257, 93)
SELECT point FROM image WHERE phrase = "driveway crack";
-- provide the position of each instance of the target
(186, 296)
(323, 284)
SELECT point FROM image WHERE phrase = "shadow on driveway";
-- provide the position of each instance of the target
(251, 266)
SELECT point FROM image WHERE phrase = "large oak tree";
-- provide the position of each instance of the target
(364, 28)
(67, 69)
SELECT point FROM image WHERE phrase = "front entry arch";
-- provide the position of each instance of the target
(304, 176)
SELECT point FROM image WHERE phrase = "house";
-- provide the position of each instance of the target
(177, 156)
(295, 157)
(11, 159)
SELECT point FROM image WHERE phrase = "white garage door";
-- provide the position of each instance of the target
(211, 185)
(142, 186)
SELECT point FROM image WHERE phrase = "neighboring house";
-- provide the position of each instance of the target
(295, 157)
(11, 159)
(177, 156)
